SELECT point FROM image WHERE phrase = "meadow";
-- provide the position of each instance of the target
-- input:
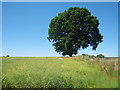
(59, 72)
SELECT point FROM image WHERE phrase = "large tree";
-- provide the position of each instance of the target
(74, 29)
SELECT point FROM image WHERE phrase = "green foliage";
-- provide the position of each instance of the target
(53, 72)
(74, 29)
(7, 55)
(92, 56)
(84, 54)
(100, 56)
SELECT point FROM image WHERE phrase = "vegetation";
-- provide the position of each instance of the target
(7, 55)
(59, 72)
(0, 73)
(100, 56)
(74, 29)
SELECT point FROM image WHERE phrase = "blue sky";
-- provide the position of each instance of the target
(60, 0)
(25, 27)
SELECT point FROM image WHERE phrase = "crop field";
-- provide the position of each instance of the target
(59, 72)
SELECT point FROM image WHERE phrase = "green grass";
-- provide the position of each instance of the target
(0, 73)
(54, 72)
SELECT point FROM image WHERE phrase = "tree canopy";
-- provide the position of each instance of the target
(74, 29)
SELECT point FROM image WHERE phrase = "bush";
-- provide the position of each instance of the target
(7, 55)
(100, 56)
(84, 55)
(93, 56)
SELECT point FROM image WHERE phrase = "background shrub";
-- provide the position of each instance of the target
(100, 56)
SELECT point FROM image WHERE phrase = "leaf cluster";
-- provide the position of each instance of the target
(74, 29)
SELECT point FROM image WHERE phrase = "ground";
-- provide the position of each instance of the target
(59, 72)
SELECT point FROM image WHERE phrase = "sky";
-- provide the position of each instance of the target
(25, 27)
(60, 0)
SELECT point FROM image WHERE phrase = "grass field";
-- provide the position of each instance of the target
(59, 72)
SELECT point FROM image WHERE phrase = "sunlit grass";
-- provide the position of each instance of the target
(53, 72)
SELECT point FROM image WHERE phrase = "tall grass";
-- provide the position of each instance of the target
(0, 73)
(54, 72)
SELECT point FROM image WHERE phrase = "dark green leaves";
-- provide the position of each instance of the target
(74, 29)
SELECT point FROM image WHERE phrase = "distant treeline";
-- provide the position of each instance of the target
(6, 56)
(93, 56)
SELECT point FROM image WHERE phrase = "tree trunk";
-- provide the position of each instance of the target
(70, 55)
